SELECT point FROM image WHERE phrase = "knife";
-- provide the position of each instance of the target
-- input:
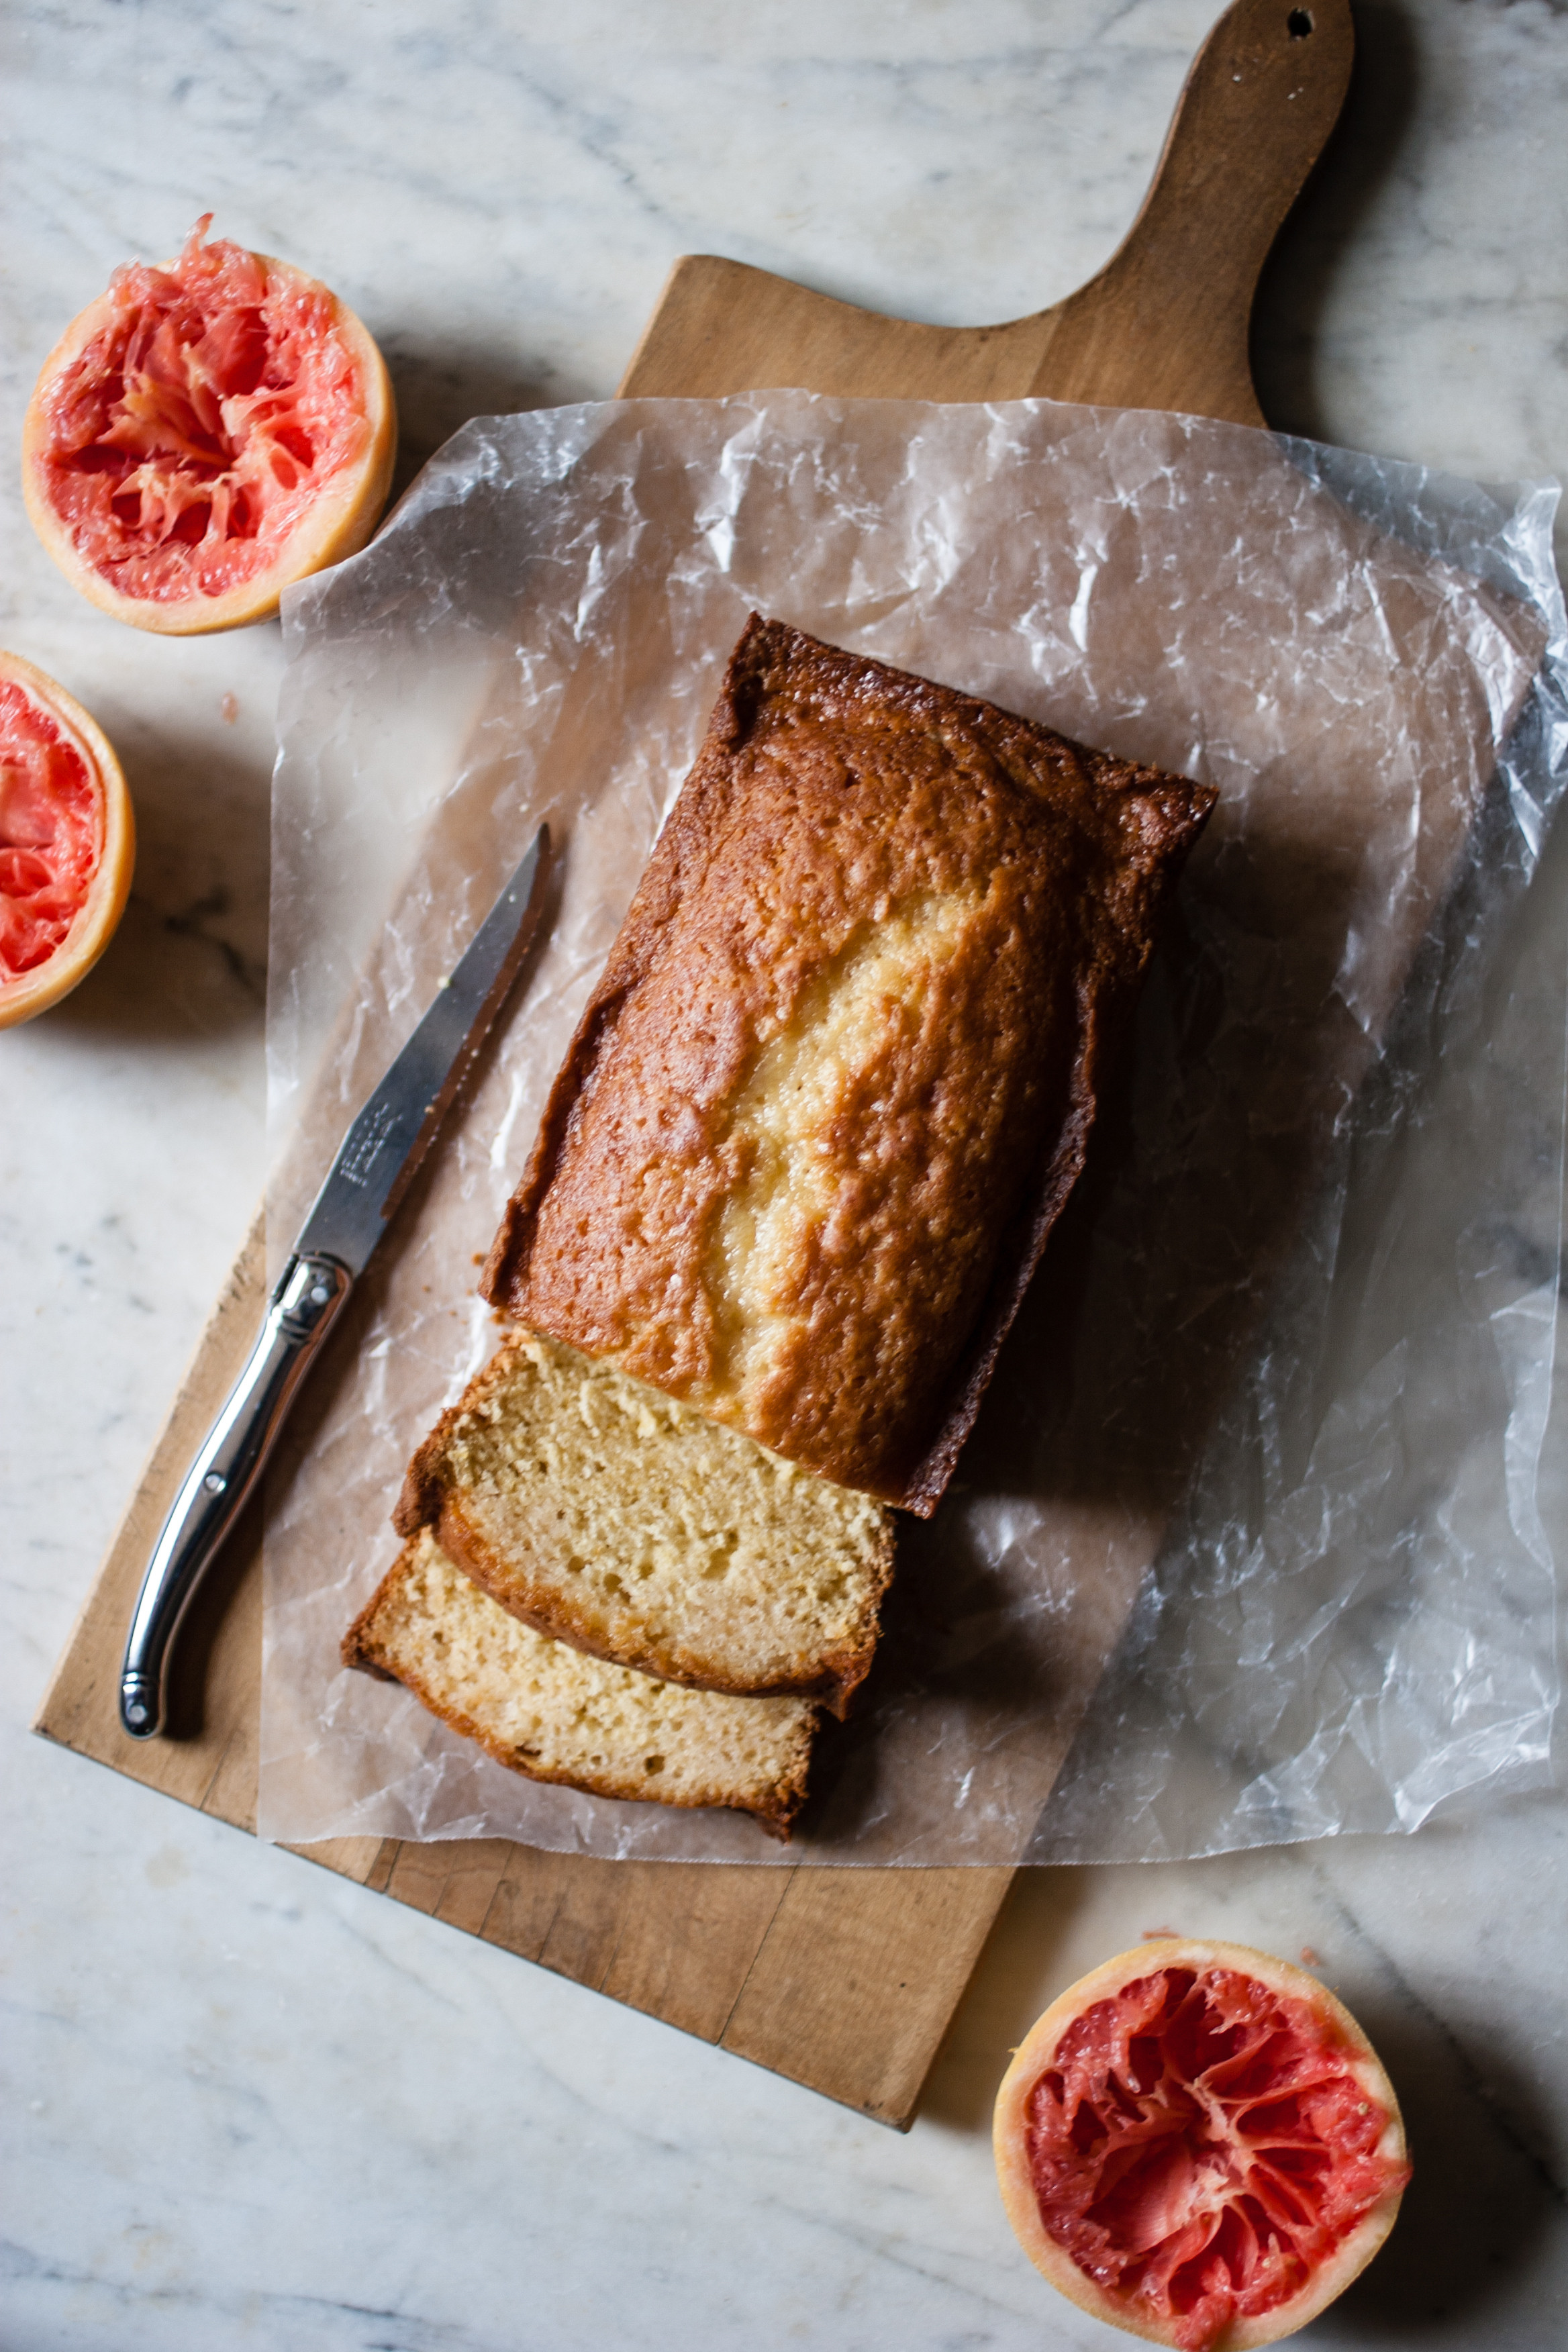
(375, 1166)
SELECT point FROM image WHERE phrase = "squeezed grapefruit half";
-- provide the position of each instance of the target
(203, 436)
(67, 841)
(1197, 2143)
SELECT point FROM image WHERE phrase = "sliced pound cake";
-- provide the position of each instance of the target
(555, 1714)
(605, 1514)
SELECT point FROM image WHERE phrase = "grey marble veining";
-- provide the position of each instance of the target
(250, 2105)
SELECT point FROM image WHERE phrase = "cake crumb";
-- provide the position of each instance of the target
(1309, 1957)
(1150, 1934)
(229, 707)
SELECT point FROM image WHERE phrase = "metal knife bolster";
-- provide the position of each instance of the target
(309, 1295)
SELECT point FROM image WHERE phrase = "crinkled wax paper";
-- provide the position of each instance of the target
(1260, 1465)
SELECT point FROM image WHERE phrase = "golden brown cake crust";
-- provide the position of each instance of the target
(927, 918)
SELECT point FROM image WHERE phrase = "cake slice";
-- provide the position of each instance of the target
(552, 1712)
(607, 1515)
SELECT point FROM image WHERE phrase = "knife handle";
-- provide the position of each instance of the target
(302, 1311)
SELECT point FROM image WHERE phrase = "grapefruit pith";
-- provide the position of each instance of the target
(203, 435)
(67, 841)
(1197, 2143)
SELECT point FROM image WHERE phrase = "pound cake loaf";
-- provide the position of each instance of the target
(838, 1080)
(551, 1712)
(604, 1513)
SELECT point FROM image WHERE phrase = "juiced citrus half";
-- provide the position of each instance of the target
(203, 436)
(67, 841)
(1197, 2143)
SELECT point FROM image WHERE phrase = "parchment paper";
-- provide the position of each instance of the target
(1283, 1380)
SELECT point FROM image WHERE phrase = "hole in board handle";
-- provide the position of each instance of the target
(1299, 24)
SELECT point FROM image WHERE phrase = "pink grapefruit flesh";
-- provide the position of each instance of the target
(67, 842)
(1198, 2144)
(206, 433)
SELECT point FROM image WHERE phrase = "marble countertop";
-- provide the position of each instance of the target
(250, 2103)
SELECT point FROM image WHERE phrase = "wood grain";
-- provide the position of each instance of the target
(844, 1979)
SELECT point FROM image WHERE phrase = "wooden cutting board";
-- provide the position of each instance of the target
(845, 1979)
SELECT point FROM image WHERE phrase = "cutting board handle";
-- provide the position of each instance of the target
(1163, 325)
(1173, 304)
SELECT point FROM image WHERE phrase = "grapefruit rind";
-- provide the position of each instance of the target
(93, 926)
(1034, 2058)
(341, 516)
